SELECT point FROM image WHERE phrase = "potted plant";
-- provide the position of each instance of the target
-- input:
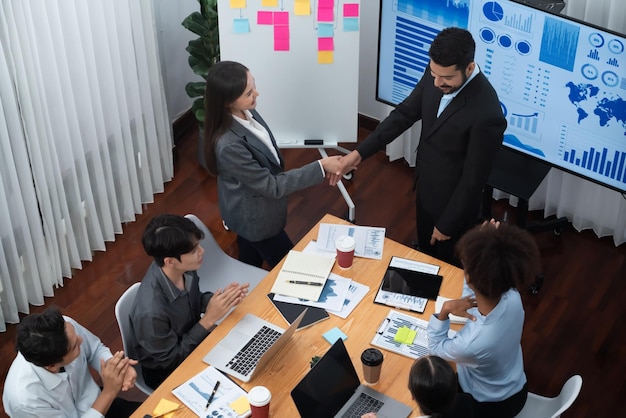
(204, 51)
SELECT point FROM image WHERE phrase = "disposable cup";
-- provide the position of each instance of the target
(259, 398)
(345, 251)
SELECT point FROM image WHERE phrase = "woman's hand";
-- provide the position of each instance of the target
(458, 307)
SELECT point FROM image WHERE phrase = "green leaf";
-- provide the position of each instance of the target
(197, 24)
(195, 89)
(198, 109)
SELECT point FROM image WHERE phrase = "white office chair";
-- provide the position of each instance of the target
(219, 269)
(541, 407)
(122, 313)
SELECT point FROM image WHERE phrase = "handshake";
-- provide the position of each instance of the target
(336, 166)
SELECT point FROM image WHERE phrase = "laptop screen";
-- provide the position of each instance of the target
(328, 385)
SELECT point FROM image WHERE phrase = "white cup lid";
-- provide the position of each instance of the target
(345, 243)
(259, 396)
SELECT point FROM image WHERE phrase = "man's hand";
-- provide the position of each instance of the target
(438, 236)
(458, 307)
(221, 302)
(347, 163)
(130, 377)
(113, 372)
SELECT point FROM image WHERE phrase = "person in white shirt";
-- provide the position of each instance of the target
(497, 260)
(50, 376)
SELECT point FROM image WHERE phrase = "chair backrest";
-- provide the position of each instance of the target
(122, 314)
(538, 406)
(219, 269)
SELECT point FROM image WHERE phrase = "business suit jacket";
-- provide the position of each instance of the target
(252, 186)
(456, 149)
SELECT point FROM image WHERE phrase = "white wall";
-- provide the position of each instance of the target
(173, 39)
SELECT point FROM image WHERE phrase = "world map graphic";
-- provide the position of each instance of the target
(589, 99)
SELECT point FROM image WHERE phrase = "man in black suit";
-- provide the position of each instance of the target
(462, 129)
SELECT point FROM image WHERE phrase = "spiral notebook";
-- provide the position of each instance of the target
(303, 275)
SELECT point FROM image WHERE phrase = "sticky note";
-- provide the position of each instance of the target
(302, 8)
(333, 335)
(240, 405)
(327, 3)
(325, 57)
(269, 3)
(351, 10)
(325, 15)
(237, 4)
(163, 406)
(325, 44)
(325, 30)
(405, 335)
(281, 18)
(281, 44)
(351, 24)
(241, 26)
(265, 18)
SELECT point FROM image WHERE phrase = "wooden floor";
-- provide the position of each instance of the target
(575, 325)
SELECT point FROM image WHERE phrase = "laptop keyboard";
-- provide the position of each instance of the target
(246, 359)
(364, 404)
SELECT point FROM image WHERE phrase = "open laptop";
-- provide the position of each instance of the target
(249, 345)
(332, 389)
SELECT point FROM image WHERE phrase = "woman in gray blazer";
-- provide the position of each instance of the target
(252, 182)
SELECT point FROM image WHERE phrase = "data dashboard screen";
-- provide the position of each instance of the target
(561, 82)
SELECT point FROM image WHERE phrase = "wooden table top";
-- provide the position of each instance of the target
(286, 369)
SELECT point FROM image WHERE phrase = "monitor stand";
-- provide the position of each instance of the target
(520, 175)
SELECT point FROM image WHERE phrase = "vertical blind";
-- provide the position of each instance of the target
(84, 136)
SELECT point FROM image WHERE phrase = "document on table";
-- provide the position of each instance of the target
(230, 399)
(303, 275)
(369, 240)
(333, 294)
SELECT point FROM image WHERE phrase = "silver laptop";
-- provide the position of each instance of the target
(249, 346)
(332, 389)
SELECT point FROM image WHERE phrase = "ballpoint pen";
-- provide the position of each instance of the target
(307, 283)
(208, 402)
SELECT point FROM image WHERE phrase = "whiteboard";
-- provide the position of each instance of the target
(299, 98)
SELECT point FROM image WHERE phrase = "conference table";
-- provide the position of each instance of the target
(286, 369)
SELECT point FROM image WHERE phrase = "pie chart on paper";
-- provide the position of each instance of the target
(493, 11)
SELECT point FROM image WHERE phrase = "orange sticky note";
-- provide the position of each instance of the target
(324, 57)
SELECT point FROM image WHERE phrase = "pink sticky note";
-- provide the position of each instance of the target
(281, 44)
(325, 14)
(325, 44)
(265, 18)
(281, 18)
(281, 32)
(327, 4)
(351, 10)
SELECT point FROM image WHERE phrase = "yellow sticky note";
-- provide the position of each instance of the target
(163, 406)
(405, 335)
(269, 3)
(302, 8)
(240, 405)
(324, 57)
(237, 4)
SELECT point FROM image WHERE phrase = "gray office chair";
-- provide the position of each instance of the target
(122, 313)
(541, 407)
(219, 269)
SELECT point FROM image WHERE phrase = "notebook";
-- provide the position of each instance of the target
(332, 389)
(249, 346)
(290, 311)
(303, 275)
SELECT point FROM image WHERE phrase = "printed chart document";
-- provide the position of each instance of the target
(303, 275)
(369, 240)
(230, 400)
(332, 297)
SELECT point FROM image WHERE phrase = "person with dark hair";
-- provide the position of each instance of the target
(252, 183)
(433, 385)
(462, 129)
(170, 316)
(50, 376)
(498, 259)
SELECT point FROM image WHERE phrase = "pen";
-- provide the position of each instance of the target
(307, 283)
(169, 412)
(217, 385)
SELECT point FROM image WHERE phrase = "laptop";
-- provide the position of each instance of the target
(332, 389)
(249, 346)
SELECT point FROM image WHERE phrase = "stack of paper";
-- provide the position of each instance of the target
(369, 240)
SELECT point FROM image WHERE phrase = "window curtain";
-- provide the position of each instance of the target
(84, 135)
(586, 204)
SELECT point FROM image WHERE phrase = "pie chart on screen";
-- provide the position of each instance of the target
(493, 11)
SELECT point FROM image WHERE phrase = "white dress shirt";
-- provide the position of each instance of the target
(33, 391)
(447, 98)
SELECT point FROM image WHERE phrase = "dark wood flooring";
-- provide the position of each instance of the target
(575, 325)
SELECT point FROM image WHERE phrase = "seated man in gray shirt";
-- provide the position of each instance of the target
(167, 315)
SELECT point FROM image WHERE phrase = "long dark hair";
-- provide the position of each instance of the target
(433, 384)
(225, 82)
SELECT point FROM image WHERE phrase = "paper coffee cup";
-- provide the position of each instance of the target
(372, 360)
(345, 251)
(259, 399)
